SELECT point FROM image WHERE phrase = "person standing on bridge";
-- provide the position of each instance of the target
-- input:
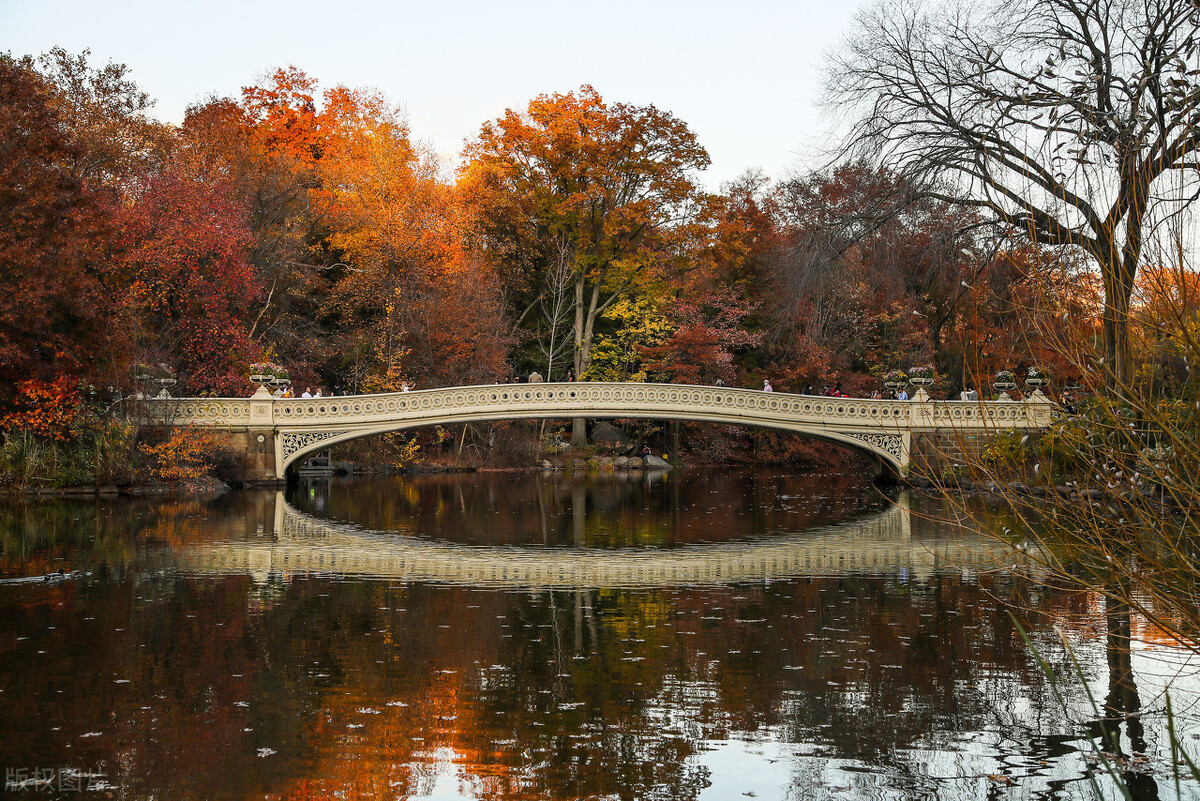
(767, 386)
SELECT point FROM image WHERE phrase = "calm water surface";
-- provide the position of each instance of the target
(710, 635)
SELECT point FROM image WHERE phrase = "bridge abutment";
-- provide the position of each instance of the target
(256, 455)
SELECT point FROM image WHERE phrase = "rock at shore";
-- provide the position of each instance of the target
(654, 463)
(606, 435)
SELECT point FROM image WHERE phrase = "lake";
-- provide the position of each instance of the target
(705, 634)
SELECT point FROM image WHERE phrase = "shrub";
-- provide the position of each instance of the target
(1007, 452)
(183, 455)
(22, 457)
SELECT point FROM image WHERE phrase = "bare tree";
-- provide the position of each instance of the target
(1074, 122)
(557, 306)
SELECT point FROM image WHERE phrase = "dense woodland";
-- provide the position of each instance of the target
(308, 226)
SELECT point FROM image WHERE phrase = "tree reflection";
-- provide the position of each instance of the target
(606, 511)
(1122, 703)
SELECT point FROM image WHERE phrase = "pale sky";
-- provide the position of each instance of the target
(744, 76)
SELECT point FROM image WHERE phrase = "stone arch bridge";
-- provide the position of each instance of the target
(275, 433)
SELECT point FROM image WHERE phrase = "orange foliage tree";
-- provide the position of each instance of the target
(409, 302)
(184, 455)
(598, 184)
(1166, 317)
(51, 410)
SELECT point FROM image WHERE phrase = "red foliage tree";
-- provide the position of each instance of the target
(867, 272)
(708, 328)
(51, 310)
(189, 287)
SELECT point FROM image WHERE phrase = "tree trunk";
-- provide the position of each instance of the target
(1118, 289)
(579, 424)
(579, 432)
(585, 322)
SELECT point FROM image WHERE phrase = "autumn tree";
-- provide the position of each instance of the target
(1166, 313)
(599, 183)
(186, 286)
(406, 289)
(744, 220)
(707, 328)
(263, 147)
(107, 116)
(51, 311)
(710, 309)
(1070, 122)
(866, 271)
(1025, 307)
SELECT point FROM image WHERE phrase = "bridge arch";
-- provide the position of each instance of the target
(296, 446)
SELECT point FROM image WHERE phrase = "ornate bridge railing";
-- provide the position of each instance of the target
(882, 427)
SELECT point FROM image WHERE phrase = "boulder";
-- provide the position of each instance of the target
(606, 435)
(654, 463)
(621, 462)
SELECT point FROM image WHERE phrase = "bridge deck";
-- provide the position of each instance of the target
(881, 427)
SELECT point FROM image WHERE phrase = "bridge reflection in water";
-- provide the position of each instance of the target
(301, 544)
